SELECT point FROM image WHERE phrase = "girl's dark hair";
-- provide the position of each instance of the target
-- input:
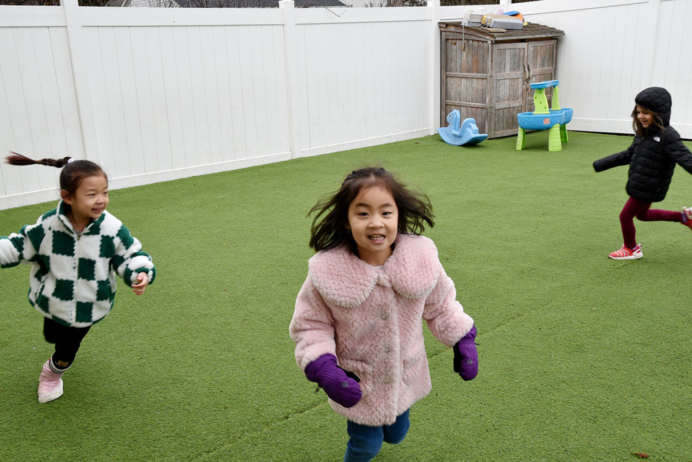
(72, 172)
(639, 128)
(329, 225)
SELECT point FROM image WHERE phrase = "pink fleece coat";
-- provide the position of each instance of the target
(371, 318)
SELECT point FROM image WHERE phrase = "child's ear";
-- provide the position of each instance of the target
(65, 196)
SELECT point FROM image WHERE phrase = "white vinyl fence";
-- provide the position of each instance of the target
(160, 94)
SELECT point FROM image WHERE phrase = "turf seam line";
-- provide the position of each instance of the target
(269, 425)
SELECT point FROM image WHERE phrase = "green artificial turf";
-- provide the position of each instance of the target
(581, 357)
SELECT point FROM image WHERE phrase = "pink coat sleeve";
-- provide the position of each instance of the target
(444, 314)
(312, 326)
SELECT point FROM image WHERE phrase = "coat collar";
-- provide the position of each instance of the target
(92, 228)
(345, 280)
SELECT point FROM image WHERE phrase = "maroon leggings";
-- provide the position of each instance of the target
(636, 208)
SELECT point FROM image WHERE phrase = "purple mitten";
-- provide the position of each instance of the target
(466, 356)
(338, 386)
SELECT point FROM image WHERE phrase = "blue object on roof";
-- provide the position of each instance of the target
(462, 134)
(546, 84)
(511, 13)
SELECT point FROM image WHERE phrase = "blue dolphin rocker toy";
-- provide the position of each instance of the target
(456, 135)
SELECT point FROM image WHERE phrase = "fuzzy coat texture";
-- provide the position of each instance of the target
(73, 276)
(652, 157)
(371, 318)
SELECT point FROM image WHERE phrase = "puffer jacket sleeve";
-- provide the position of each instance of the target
(445, 316)
(676, 149)
(312, 326)
(21, 247)
(130, 260)
(616, 160)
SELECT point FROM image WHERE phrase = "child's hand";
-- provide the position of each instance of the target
(466, 356)
(142, 283)
(336, 383)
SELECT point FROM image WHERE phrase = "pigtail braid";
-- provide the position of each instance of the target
(18, 159)
(57, 163)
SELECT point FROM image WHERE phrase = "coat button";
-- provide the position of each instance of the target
(384, 316)
(386, 350)
(386, 380)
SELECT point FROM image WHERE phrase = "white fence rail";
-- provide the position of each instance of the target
(159, 94)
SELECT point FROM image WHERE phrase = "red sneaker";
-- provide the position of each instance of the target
(627, 254)
(688, 213)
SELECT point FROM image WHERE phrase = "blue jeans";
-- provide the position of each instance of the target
(366, 441)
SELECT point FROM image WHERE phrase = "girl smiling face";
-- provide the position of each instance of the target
(373, 219)
(88, 202)
(645, 116)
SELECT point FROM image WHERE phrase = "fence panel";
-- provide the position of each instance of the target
(363, 78)
(673, 65)
(182, 97)
(163, 94)
(38, 108)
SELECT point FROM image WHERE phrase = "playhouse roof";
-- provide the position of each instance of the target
(530, 31)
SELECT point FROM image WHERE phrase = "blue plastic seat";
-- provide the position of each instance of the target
(462, 134)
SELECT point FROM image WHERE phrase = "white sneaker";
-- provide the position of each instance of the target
(49, 384)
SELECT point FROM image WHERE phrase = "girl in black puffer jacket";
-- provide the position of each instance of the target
(656, 149)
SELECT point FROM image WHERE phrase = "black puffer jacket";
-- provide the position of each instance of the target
(652, 158)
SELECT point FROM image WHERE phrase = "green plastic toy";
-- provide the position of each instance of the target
(554, 118)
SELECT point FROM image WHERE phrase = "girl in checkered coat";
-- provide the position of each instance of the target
(74, 251)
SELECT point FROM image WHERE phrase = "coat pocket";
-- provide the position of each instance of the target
(412, 367)
(362, 370)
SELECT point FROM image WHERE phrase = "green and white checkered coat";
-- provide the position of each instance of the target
(73, 276)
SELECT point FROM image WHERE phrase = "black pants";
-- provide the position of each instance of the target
(66, 340)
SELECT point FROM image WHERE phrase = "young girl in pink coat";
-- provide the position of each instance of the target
(358, 320)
